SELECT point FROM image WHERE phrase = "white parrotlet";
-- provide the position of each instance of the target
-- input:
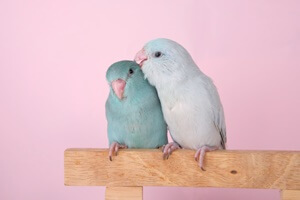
(190, 101)
(133, 110)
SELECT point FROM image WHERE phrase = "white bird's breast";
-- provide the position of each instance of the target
(189, 118)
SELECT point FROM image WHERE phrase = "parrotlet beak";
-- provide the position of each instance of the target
(119, 86)
(140, 57)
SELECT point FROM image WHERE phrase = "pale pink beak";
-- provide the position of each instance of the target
(140, 57)
(118, 86)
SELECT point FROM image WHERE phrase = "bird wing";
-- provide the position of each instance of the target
(220, 125)
(218, 112)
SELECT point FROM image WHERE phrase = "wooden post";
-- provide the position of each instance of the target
(290, 194)
(124, 193)
(132, 169)
(227, 169)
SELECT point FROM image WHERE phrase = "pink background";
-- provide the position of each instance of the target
(53, 59)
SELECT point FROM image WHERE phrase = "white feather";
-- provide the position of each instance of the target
(189, 99)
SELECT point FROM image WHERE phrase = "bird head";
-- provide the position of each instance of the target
(123, 77)
(164, 61)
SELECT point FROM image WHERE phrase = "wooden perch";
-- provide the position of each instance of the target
(145, 167)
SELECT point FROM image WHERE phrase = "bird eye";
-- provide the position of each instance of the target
(131, 71)
(157, 54)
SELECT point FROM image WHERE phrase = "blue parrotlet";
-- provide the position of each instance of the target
(190, 101)
(133, 110)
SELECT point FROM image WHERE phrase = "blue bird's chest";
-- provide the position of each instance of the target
(138, 125)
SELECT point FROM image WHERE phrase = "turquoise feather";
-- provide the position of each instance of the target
(136, 120)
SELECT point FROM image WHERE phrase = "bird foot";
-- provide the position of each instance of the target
(200, 153)
(114, 148)
(167, 149)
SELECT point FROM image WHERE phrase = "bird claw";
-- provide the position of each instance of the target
(200, 153)
(168, 149)
(166, 156)
(114, 148)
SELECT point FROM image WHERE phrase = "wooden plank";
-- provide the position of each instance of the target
(290, 194)
(124, 193)
(228, 169)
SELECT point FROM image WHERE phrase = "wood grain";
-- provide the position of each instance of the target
(124, 193)
(228, 169)
(290, 194)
